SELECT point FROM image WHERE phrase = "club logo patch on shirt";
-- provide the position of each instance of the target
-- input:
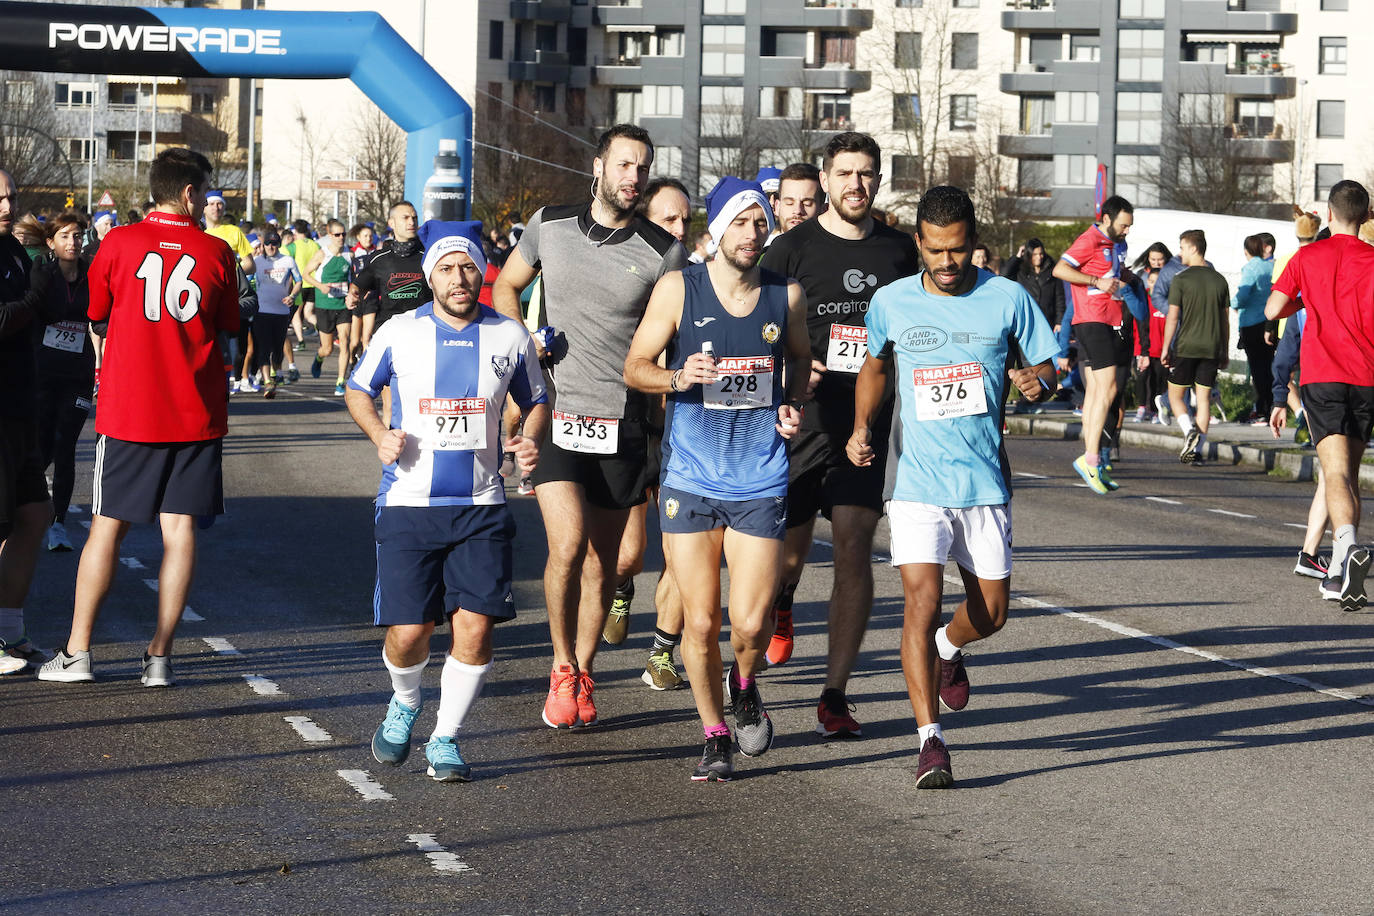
(771, 332)
(500, 365)
(670, 508)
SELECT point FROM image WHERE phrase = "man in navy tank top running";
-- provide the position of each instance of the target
(729, 330)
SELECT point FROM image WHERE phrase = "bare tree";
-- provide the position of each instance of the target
(380, 155)
(29, 148)
(524, 162)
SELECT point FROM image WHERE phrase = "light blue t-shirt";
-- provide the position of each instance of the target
(946, 450)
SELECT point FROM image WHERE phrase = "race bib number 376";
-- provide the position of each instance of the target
(455, 424)
(945, 392)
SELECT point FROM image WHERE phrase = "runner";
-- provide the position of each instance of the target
(1092, 268)
(599, 264)
(728, 330)
(444, 533)
(1335, 279)
(840, 258)
(278, 283)
(66, 365)
(799, 196)
(232, 235)
(1196, 330)
(391, 280)
(328, 273)
(945, 336)
(166, 289)
(303, 249)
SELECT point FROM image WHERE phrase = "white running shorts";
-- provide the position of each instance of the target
(977, 538)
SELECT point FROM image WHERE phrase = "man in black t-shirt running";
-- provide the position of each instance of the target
(390, 281)
(841, 258)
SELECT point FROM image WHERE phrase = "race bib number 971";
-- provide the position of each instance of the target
(744, 382)
(945, 392)
(455, 424)
(590, 435)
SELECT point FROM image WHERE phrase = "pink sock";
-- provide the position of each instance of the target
(719, 730)
(743, 683)
(1091, 460)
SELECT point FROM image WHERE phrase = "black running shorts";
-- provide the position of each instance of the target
(328, 321)
(135, 481)
(820, 475)
(613, 481)
(1100, 345)
(21, 470)
(1188, 371)
(1338, 409)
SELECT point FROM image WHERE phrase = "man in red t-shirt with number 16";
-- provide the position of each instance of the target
(167, 289)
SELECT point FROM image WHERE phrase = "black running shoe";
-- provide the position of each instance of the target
(1353, 595)
(1311, 565)
(715, 765)
(753, 727)
(1190, 444)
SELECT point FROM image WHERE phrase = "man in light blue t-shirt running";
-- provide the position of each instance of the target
(949, 335)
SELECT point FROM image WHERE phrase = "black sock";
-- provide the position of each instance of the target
(784, 600)
(626, 589)
(664, 641)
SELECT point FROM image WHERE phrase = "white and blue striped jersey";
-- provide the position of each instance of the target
(447, 391)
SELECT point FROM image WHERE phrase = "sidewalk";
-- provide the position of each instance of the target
(1227, 443)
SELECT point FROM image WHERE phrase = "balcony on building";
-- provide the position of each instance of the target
(611, 13)
(1272, 16)
(1049, 203)
(817, 14)
(546, 67)
(541, 10)
(810, 60)
(1268, 78)
(642, 56)
(1050, 15)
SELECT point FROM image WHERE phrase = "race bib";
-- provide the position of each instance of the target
(454, 424)
(848, 346)
(744, 382)
(65, 335)
(590, 435)
(944, 392)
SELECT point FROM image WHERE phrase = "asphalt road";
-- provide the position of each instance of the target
(1170, 723)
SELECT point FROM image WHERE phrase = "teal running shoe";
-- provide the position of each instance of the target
(391, 742)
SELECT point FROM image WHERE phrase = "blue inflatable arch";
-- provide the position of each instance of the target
(141, 41)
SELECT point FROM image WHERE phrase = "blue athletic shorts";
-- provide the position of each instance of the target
(433, 560)
(686, 513)
(135, 481)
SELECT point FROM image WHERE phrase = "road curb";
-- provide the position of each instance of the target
(1299, 466)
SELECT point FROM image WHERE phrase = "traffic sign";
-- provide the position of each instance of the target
(345, 184)
(105, 200)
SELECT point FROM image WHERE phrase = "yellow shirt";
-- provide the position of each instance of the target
(234, 236)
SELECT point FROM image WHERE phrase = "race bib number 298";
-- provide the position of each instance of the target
(945, 392)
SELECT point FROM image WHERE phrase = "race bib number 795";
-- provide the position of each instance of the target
(944, 392)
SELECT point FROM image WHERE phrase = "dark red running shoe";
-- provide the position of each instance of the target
(933, 770)
(953, 683)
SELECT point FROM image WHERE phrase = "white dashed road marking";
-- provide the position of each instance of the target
(438, 856)
(132, 562)
(188, 614)
(309, 730)
(1161, 499)
(1232, 514)
(222, 646)
(262, 686)
(363, 783)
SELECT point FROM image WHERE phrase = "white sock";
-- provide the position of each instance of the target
(459, 687)
(291, 367)
(11, 625)
(1344, 540)
(925, 732)
(1185, 423)
(406, 681)
(947, 649)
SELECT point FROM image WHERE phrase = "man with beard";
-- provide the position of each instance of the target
(390, 281)
(840, 258)
(599, 262)
(444, 533)
(728, 329)
(1092, 268)
(798, 198)
(945, 336)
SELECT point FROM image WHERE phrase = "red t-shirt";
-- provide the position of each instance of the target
(1096, 255)
(1335, 278)
(484, 297)
(166, 288)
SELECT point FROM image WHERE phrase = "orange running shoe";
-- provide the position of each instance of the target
(586, 709)
(780, 646)
(560, 709)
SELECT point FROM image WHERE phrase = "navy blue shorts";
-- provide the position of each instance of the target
(136, 481)
(687, 513)
(434, 560)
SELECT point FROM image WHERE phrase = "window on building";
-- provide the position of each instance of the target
(257, 100)
(1328, 173)
(496, 39)
(78, 149)
(1138, 117)
(1085, 47)
(1037, 114)
(1140, 54)
(783, 43)
(1141, 9)
(910, 4)
(964, 54)
(1335, 6)
(832, 111)
(667, 43)
(663, 101)
(1035, 177)
(1075, 107)
(576, 100)
(963, 112)
(723, 7)
(1138, 180)
(907, 50)
(19, 92)
(546, 37)
(907, 173)
(1206, 53)
(1045, 50)
(780, 102)
(577, 46)
(1075, 171)
(545, 99)
(1332, 55)
(722, 111)
(837, 48)
(722, 50)
(667, 161)
(961, 171)
(1202, 108)
(965, 4)
(74, 95)
(1331, 119)
(1254, 117)
(906, 111)
(1255, 180)
(203, 101)
(625, 105)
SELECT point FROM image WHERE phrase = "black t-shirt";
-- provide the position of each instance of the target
(395, 277)
(64, 346)
(18, 320)
(839, 277)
